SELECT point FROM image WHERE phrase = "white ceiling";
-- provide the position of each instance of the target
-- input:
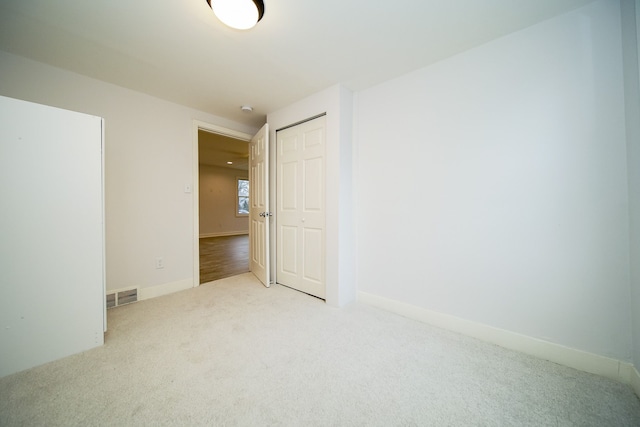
(177, 50)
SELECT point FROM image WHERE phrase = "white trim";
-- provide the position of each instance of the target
(222, 130)
(224, 233)
(103, 155)
(573, 358)
(197, 124)
(164, 289)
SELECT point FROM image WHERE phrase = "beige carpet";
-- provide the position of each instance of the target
(235, 353)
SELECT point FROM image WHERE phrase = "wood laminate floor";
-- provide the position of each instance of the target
(222, 257)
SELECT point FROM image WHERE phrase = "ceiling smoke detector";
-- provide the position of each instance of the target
(246, 108)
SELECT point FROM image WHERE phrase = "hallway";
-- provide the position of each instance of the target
(223, 256)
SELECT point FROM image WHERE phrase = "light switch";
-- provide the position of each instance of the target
(187, 188)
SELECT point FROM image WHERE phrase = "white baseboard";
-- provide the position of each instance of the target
(164, 289)
(577, 359)
(224, 233)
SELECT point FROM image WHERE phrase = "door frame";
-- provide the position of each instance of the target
(195, 186)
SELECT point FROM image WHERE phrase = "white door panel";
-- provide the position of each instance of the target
(300, 218)
(289, 250)
(288, 188)
(313, 245)
(313, 194)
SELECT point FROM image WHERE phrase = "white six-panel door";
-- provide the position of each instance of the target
(300, 216)
(259, 205)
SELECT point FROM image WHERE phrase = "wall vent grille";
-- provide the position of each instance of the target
(111, 300)
(128, 296)
(122, 297)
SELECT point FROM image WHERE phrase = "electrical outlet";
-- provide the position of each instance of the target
(159, 262)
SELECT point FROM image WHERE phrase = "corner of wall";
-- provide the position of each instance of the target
(630, 16)
(336, 102)
(635, 381)
(347, 235)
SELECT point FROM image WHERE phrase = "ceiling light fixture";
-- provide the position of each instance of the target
(238, 14)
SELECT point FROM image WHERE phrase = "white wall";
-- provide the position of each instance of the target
(218, 195)
(337, 103)
(492, 186)
(630, 18)
(148, 162)
(634, 191)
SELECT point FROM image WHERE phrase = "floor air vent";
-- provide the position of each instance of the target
(126, 296)
(111, 300)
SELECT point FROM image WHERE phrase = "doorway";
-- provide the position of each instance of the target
(303, 253)
(221, 241)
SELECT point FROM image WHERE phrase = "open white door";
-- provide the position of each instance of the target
(259, 205)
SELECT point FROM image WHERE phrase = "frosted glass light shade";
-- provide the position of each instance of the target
(239, 14)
